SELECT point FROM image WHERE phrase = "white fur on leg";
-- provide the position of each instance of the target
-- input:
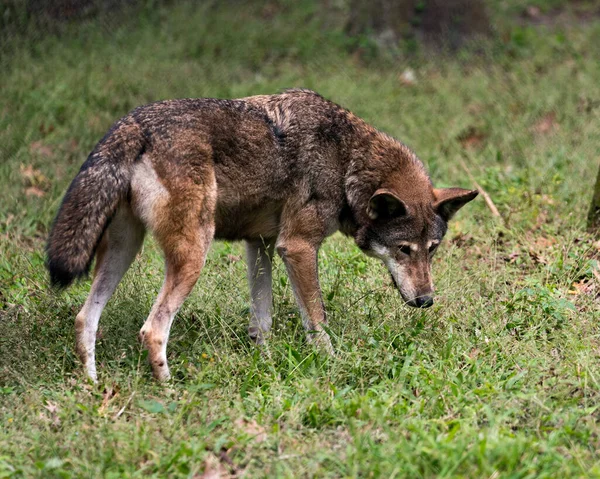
(155, 335)
(125, 237)
(179, 281)
(155, 331)
(86, 326)
(259, 256)
(321, 340)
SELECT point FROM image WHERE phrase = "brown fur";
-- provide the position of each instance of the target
(287, 169)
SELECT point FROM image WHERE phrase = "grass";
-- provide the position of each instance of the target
(499, 379)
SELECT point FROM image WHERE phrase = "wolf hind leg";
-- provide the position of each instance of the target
(184, 259)
(117, 250)
(259, 254)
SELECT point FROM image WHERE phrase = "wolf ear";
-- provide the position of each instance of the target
(385, 205)
(449, 200)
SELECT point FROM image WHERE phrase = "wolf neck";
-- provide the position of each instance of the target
(376, 160)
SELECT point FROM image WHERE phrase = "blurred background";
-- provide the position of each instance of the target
(511, 84)
(499, 378)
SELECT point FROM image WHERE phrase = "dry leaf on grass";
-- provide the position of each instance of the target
(533, 12)
(539, 247)
(34, 191)
(512, 257)
(471, 138)
(252, 428)
(73, 145)
(538, 258)
(32, 176)
(38, 147)
(46, 129)
(474, 353)
(212, 469)
(475, 108)
(107, 396)
(53, 410)
(546, 124)
(215, 467)
(587, 105)
(51, 407)
(35, 181)
(543, 242)
(462, 240)
(582, 287)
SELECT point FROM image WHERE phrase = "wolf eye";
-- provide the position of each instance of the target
(405, 249)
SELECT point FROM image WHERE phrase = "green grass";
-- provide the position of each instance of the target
(499, 379)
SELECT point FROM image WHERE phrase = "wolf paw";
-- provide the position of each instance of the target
(322, 341)
(257, 335)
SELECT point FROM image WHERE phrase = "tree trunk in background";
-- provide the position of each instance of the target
(442, 22)
(594, 215)
(379, 16)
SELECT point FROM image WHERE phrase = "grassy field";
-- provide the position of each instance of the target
(501, 378)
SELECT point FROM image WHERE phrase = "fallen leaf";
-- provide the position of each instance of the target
(46, 129)
(51, 407)
(213, 469)
(33, 176)
(224, 457)
(474, 353)
(533, 12)
(462, 240)
(40, 148)
(587, 105)
(9, 219)
(538, 258)
(270, 10)
(546, 124)
(107, 396)
(252, 428)
(471, 138)
(543, 242)
(582, 287)
(34, 191)
(512, 257)
(596, 274)
(475, 108)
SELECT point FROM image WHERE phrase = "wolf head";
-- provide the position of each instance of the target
(405, 230)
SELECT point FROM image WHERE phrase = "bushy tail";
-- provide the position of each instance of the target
(91, 201)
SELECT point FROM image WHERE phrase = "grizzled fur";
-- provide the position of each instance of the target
(278, 171)
(90, 202)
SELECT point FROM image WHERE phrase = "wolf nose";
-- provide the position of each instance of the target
(424, 301)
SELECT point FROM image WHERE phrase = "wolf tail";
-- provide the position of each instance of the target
(91, 201)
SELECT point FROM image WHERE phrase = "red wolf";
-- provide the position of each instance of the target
(281, 172)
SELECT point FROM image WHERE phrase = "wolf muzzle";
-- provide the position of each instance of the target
(421, 302)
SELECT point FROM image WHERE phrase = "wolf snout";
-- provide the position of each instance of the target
(421, 302)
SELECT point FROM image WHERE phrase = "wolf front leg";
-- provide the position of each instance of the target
(300, 258)
(259, 255)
